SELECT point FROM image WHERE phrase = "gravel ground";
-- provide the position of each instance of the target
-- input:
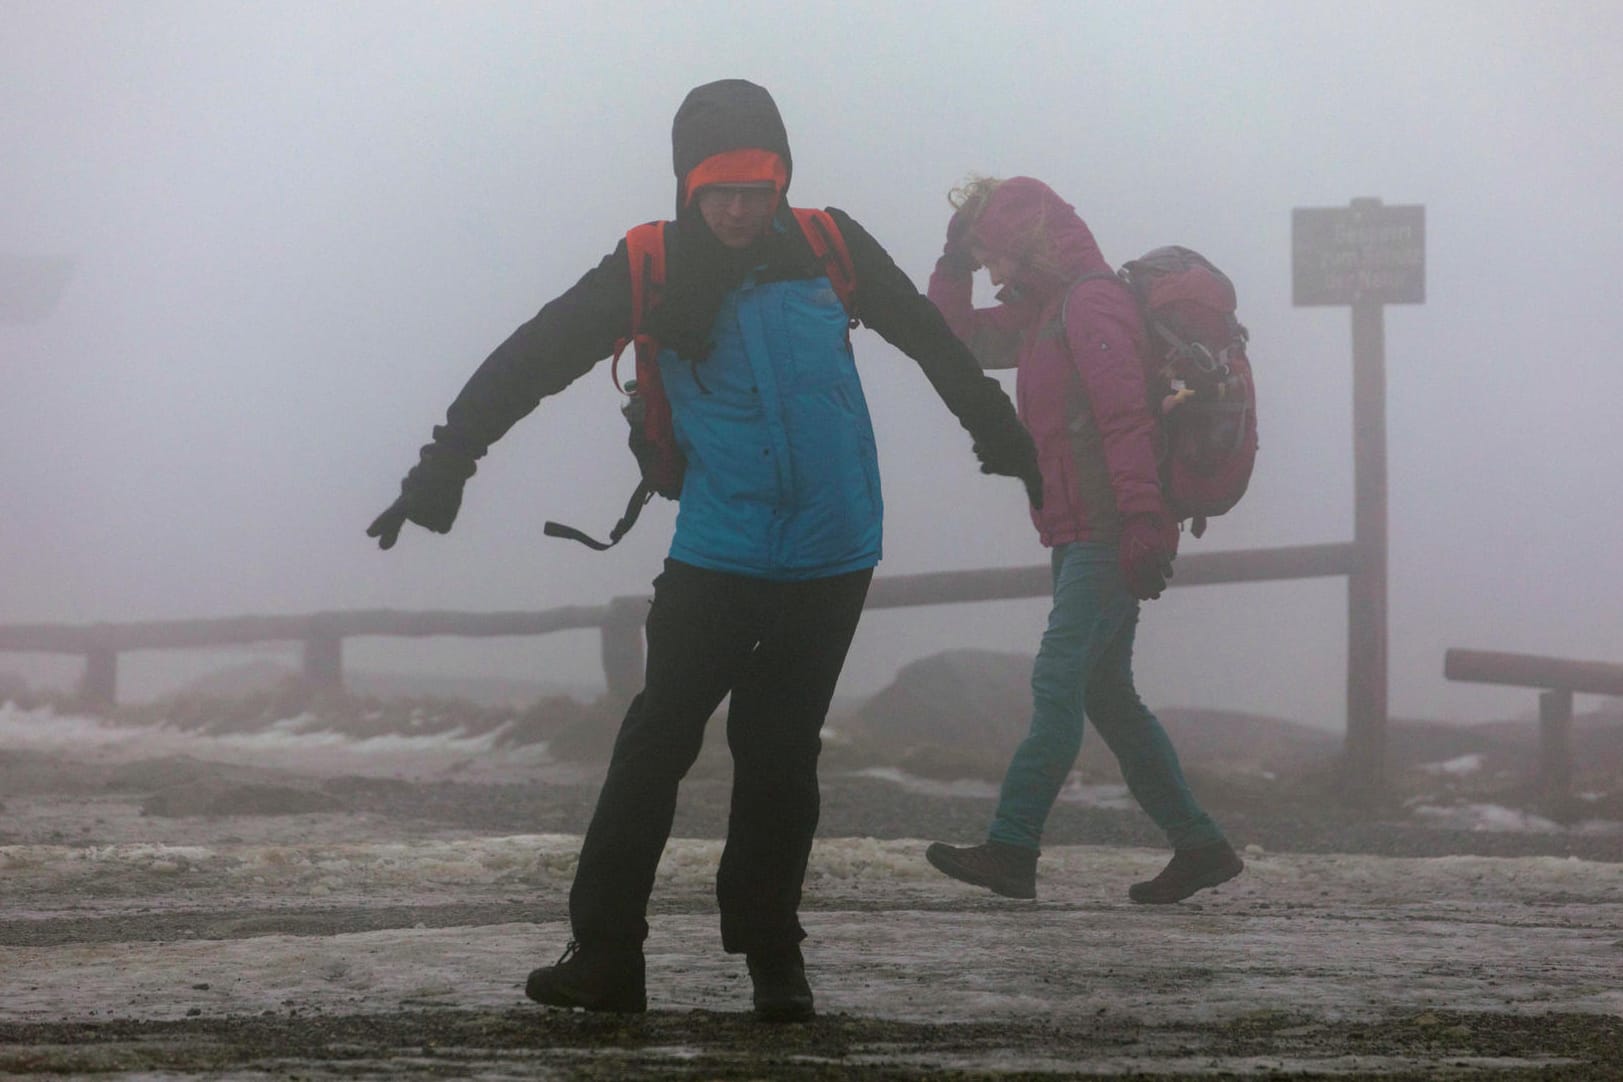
(76, 806)
(727, 1048)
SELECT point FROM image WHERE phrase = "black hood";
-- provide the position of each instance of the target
(729, 114)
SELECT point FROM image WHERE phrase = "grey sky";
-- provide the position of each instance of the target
(297, 228)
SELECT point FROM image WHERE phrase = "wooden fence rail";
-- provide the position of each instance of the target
(1560, 679)
(619, 622)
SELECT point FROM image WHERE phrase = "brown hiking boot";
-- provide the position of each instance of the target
(1009, 870)
(1189, 870)
(593, 977)
(782, 993)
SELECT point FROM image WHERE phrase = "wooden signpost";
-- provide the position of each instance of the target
(1365, 256)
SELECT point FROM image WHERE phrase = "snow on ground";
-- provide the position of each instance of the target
(1332, 935)
(294, 743)
(243, 915)
(1458, 766)
(1075, 790)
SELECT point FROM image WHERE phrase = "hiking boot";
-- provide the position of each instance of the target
(594, 977)
(1009, 870)
(781, 991)
(1189, 870)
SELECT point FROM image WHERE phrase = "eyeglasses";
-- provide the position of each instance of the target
(752, 197)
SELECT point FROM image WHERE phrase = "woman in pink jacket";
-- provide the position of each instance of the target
(1074, 333)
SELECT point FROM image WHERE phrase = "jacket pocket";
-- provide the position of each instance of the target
(818, 333)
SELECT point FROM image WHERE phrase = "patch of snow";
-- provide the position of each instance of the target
(912, 783)
(1458, 767)
(297, 743)
(1076, 791)
(1486, 817)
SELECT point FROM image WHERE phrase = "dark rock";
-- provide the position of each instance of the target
(971, 700)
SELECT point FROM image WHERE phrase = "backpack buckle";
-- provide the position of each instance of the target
(1196, 357)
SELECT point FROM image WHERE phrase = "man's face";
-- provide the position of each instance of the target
(737, 213)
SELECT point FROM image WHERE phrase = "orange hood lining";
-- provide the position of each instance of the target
(749, 165)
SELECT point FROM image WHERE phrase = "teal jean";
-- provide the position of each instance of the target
(1085, 667)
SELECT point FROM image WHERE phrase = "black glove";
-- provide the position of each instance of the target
(956, 254)
(1147, 547)
(430, 495)
(1013, 455)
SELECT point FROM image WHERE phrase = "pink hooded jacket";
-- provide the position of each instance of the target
(1080, 385)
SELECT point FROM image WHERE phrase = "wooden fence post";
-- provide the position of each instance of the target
(1366, 585)
(622, 647)
(1364, 255)
(99, 684)
(1555, 753)
(323, 657)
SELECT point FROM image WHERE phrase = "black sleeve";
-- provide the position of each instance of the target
(888, 301)
(562, 343)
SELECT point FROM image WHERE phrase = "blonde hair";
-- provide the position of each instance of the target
(1033, 249)
(972, 193)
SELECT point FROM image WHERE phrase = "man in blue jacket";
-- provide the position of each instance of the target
(777, 532)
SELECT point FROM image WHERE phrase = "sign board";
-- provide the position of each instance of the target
(1365, 253)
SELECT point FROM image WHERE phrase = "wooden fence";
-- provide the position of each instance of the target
(619, 622)
(1559, 680)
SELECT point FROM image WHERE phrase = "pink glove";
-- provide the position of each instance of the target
(1146, 550)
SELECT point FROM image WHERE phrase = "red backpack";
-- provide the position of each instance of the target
(1200, 381)
(646, 409)
(1198, 378)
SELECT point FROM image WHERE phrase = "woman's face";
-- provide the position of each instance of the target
(737, 214)
(1001, 268)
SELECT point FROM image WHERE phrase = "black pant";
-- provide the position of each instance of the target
(778, 647)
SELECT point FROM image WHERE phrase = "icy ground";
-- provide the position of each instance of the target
(199, 929)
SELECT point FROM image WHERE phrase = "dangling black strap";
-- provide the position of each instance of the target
(633, 508)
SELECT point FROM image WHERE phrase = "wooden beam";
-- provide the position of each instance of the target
(1533, 671)
(239, 630)
(1197, 569)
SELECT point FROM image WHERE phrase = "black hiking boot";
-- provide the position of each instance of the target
(781, 991)
(1189, 870)
(1009, 870)
(594, 977)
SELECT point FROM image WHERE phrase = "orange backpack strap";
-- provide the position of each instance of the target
(653, 429)
(647, 410)
(828, 245)
(645, 251)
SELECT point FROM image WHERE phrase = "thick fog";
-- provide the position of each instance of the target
(294, 230)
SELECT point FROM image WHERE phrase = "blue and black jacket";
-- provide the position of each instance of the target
(782, 479)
